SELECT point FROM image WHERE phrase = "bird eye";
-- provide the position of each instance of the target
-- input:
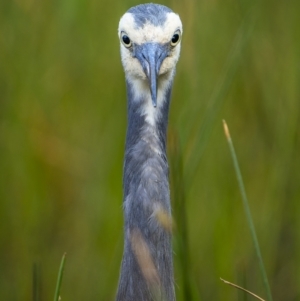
(176, 38)
(125, 40)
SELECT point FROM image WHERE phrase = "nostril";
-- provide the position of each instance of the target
(146, 66)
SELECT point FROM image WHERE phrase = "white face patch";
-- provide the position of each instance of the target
(149, 33)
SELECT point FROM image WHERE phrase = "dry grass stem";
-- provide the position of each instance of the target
(241, 288)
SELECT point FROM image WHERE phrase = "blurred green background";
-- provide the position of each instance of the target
(62, 132)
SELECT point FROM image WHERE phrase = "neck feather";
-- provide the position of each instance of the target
(147, 269)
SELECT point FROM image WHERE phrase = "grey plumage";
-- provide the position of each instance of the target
(147, 268)
(156, 14)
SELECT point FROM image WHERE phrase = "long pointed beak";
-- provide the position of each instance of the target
(151, 56)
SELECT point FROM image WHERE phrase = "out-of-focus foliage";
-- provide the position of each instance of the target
(62, 131)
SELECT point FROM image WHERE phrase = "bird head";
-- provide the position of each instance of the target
(150, 38)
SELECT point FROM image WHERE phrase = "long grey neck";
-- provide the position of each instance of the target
(147, 268)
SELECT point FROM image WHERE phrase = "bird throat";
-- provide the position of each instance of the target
(147, 209)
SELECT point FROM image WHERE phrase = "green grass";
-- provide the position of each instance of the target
(57, 296)
(248, 212)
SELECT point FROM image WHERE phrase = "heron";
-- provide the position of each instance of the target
(150, 41)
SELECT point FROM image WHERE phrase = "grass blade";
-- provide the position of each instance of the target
(59, 278)
(242, 289)
(247, 211)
